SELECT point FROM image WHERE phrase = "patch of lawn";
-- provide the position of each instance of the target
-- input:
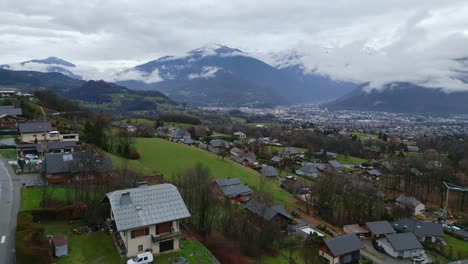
(31, 197)
(192, 250)
(350, 160)
(283, 257)
(91, 248)
(458, 246)
(238, 119)
(8, 153)
(159, 155)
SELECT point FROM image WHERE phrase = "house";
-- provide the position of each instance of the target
(416, 172)
(178, 134)
(387, 165)
(268, 171)
(9, 116)
(335, 164)
(308, 170)
(275, 214)
(401, 245)
(34, 131)
(424, 231)
(290, 152)
(342, 250)
(412, 203)
(82, 165)
(246, 159)
(148, 217)
(413, 148)
(375, 174)
(378, 229)
(187, 141)
(69, 137)
(276, 159)
(218, 146)
(60, 246)
(235, 151)
(241, 135)
(231, 189)
(60, 146)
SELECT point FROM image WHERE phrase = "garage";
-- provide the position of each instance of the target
(166, 246)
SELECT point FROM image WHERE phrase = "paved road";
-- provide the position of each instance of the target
(9, 206)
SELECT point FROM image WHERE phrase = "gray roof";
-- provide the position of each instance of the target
(409, 201)
(75, 162)
(374, 172)
(10, 110)
(32, 127)
(276, 159)
(218, 143)
(267, 212)
(146, 205)
(51, 145)
(269, 171)
(309, 169)
(380, 227)
(344, 244)
(335, 164)
(233, 187)
(290, 151)
(403, 241)
(179, 133)
(419, 228)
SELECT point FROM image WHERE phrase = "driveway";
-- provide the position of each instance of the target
(380, 258)
(9, 206)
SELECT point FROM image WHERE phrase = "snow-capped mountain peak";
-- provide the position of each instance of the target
(51, 61)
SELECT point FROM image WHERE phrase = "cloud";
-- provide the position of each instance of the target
(133, 74)
(359, 40)
(207, 72)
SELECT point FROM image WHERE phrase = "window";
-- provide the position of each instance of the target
(163, 228)
(140, 248)
(35, 135)
(140, 232)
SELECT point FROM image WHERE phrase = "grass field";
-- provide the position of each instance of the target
(8, 153)
(192, 250)
(283, 257)
(91, 248)
(350, 160)
(457, 246)
(158, 155)
(31, 197)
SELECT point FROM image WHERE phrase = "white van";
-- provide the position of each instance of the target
(142, 258)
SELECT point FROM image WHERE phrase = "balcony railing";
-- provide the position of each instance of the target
(166, 236)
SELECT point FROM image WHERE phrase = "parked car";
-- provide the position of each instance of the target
(142, 258)
(31, 156)
(417, 259)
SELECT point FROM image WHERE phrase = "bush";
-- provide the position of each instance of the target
(134, 155)
(31, 243)
(66, 213)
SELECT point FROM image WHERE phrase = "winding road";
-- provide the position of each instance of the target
(9, 206)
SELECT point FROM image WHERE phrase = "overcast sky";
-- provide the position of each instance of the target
(360, 40)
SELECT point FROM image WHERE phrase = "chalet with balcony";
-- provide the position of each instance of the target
(341, 250)
(275, 214)
(231, 189)
(148, 218)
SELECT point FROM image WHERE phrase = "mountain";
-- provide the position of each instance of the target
(97, 95)
(403, 98)
(220, 75)
(50, 64)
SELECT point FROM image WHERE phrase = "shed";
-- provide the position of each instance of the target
(60, 245)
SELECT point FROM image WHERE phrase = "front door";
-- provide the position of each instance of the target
(166, 246)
